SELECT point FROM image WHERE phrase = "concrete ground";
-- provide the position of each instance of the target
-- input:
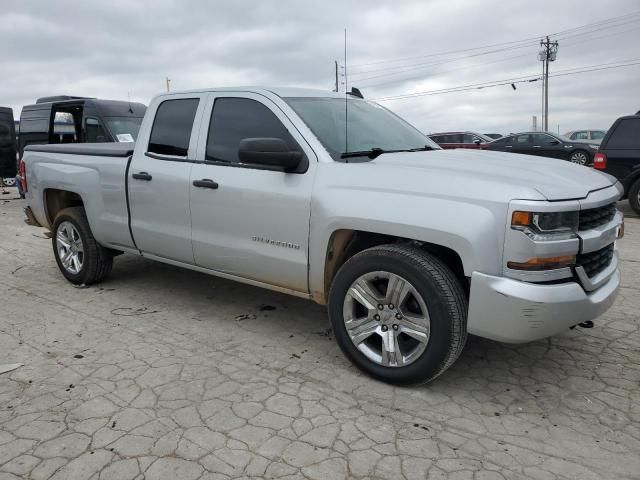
(161, 372)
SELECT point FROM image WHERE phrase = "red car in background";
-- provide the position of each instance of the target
(461, 140)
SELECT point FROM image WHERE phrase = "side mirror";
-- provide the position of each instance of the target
(272, 152)
(554, 142)
(100, 139)
(477, 141)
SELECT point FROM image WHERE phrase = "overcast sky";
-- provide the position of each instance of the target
(111, 49)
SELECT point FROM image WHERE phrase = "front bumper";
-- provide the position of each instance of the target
(512, 311)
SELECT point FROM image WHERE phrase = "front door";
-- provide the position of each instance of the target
(159, 179)
(247, 220)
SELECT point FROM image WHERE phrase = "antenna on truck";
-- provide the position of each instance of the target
(346, 103)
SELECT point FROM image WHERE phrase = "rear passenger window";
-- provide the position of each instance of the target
(233, 120)
(172, 127)
(626, 135)
(580, 136)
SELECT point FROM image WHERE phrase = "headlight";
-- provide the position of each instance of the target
(546, 225)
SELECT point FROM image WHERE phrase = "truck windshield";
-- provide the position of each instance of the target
(370, 126)
(124, 129)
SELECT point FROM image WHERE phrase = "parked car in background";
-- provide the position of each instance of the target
(460, 140)
(545, 144)
(619, 155)
(493, 135)
(262, 186)
(8, 159)
(595, 136)
(66, 119)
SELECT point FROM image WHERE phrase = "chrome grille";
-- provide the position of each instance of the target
(594, 217)
(595, 262)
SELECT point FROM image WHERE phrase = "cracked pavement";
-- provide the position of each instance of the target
(164, 373)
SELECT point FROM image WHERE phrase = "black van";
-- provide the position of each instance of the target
(66, 119)
(8, 160)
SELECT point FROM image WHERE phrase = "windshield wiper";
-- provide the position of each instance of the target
(376, 152)
(373, 153)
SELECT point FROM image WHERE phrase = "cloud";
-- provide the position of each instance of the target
(119, 48)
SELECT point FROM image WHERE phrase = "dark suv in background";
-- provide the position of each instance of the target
(8, 159)
(619, 155)
(460, 140)
(66, 119)
(545, 144)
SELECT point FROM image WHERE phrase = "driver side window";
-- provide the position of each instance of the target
(233, 120)
(93, 131)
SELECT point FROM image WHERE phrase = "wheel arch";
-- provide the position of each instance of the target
(345, 243)
(55, 200)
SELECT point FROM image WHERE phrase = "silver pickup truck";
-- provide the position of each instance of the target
(410, 246)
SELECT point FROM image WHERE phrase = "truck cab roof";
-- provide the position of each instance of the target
(279, 91)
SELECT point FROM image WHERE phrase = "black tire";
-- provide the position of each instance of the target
(573, 157)
(97, 261)
(633, 195)
(440, 289)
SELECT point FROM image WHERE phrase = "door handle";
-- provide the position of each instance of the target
(537, 146)
(205, 183)
(508, 146)
(142, 176)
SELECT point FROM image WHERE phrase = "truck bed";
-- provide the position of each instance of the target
(123, 149)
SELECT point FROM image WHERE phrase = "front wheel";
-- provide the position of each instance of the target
(579, 157)
(80, 258)
(398, 313)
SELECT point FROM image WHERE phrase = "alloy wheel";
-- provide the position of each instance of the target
(579, 157)
(69, 247)
(386, 319)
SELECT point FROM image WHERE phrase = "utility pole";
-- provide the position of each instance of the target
(168, 81)
(336, 87)
(548, 54)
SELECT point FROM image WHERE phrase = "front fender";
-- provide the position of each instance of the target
(473, 230)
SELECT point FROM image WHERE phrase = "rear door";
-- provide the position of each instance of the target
(254, 222)
(8, 161)
(159, 178)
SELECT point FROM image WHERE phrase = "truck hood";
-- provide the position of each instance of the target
(519, 176)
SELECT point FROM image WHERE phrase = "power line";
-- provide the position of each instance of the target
(410, 68)
(499, 60)
(465, 67)
(393, 76)
(441, 62)
(514, 80)
(611, 22)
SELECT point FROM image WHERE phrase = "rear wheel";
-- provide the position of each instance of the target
(579, 157)
(634, 196)
(80, 258)
(398, 313)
